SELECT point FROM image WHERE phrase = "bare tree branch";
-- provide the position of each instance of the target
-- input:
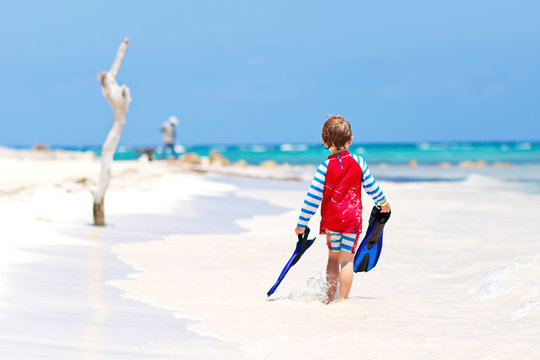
(119, 58)
(119, 98)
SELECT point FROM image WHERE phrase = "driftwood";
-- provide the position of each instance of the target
(119, 99)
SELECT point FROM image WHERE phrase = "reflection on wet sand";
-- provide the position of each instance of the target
(93, 336)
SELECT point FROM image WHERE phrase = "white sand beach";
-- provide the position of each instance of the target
(183, 268)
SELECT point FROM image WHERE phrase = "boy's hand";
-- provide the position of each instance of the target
(386, 207)
(299, 230)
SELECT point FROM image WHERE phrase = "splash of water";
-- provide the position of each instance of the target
(315, 290)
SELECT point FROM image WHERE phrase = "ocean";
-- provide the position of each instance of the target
(424, 153)
(516, 164)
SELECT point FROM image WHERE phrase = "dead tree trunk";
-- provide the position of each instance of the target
(99, 214)
(119, 99)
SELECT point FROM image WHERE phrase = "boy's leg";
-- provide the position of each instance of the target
(332, 273)
(346, 274)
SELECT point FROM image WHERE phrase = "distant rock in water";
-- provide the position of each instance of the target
(140, 153)
(241, 163)
(150, 153)
(40, 147)
(190, 158)
(481, 163)
(413, 163)
(217, 159)
(466, 164)
(269, 164)
(469, 164)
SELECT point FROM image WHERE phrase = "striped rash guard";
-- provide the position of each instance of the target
(315, 193)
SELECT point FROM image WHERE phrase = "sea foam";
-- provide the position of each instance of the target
(524, 310)
(514, 280)
(494, 284)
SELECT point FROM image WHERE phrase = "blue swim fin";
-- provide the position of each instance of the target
(301, 246)
(369, 250)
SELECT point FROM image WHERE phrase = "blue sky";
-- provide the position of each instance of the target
(270, 71)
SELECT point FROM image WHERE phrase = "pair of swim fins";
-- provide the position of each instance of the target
(302, 245)
(368, 252)
(366, 256)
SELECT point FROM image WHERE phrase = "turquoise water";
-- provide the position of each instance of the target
(392, 154)
(389, 162)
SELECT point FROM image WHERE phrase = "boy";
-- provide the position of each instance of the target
(337, 186)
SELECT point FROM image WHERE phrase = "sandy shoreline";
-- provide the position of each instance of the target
(208, 248)
(54, 268)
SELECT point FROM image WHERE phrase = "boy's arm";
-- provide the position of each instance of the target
(370, 185)
(313, 198)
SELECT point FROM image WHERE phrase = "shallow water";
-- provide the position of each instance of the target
(62, 308)
(447, 282)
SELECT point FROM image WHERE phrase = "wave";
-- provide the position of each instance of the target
(524, 146)
(478, 180)
(524, 310)
(425, 146)
(360, 150)
(291, 147)
(258, 148)
(494, 284)
(512, 283)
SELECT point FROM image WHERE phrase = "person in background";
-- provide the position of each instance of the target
(168, 129)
